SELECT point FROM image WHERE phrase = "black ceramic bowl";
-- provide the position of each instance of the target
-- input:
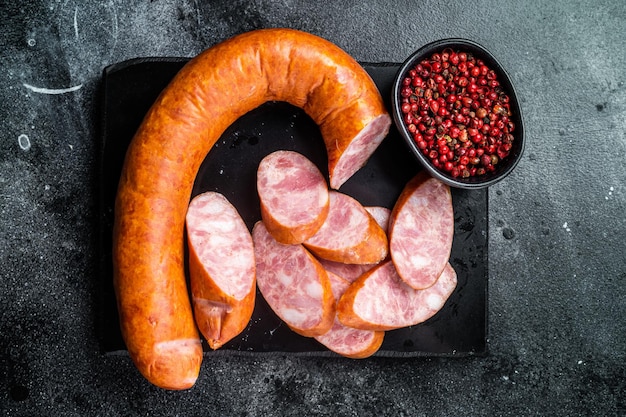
(504, 166)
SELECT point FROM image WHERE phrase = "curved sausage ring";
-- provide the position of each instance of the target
(210, 93)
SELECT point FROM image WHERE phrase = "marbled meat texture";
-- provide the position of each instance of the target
(222, 243)
(293, 195)
(294, 284)
(347, 341)
(381, 215)
(349, 234)
(421, 230)
(381, 300)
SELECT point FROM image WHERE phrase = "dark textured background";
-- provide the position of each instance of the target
(557, 225)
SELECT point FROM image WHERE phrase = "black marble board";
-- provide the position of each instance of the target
(129, 88)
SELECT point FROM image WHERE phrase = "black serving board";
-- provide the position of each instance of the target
(129, 89)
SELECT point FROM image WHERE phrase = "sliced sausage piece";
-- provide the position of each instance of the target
(381, 300)
(346, 341)
(293, 194)
(381, 215)
(221, 267)
(421, 229)
(349, 272)
(361, 147)
(349, 234)
(294, 284)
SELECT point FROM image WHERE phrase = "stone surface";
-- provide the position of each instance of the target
(557, 265)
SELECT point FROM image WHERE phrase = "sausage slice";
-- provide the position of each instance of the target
(381, 300)
(421, 230)
(347, 341)
(381, 215)
(349, 272)
(221, 268)
(293, 195)
(349, 234)
(294, 284)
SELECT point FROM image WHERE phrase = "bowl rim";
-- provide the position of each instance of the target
(504, 78)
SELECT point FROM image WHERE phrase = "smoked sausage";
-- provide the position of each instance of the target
(349, 235)
(381, 215)
(346, 341)
(208, 94)
(222, 268)
(350, 272)
(294, 284)
(380, 300)
(294, 196)
(421, 230)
